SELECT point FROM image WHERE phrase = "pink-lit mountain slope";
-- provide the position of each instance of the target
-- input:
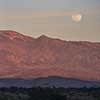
(24, 56)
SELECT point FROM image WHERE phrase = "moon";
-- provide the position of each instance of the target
(77, 17)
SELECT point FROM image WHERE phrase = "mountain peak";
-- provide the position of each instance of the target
(13, 35)
(43, 38)
(8, 32)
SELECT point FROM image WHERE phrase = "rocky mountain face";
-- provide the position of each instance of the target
(24, 56)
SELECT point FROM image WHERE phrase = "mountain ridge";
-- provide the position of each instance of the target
(50, 81)
(24, 56)
(12, 32)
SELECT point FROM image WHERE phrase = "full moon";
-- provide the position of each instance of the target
(77, 17)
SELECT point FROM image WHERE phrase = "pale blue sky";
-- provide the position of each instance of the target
(52, 18)
(48, 4)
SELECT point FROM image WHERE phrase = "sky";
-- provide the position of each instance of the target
(52, 18)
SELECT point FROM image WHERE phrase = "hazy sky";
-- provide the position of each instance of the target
(52, 18)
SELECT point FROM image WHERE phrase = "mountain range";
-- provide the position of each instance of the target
(50, 81)
(27, 57)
